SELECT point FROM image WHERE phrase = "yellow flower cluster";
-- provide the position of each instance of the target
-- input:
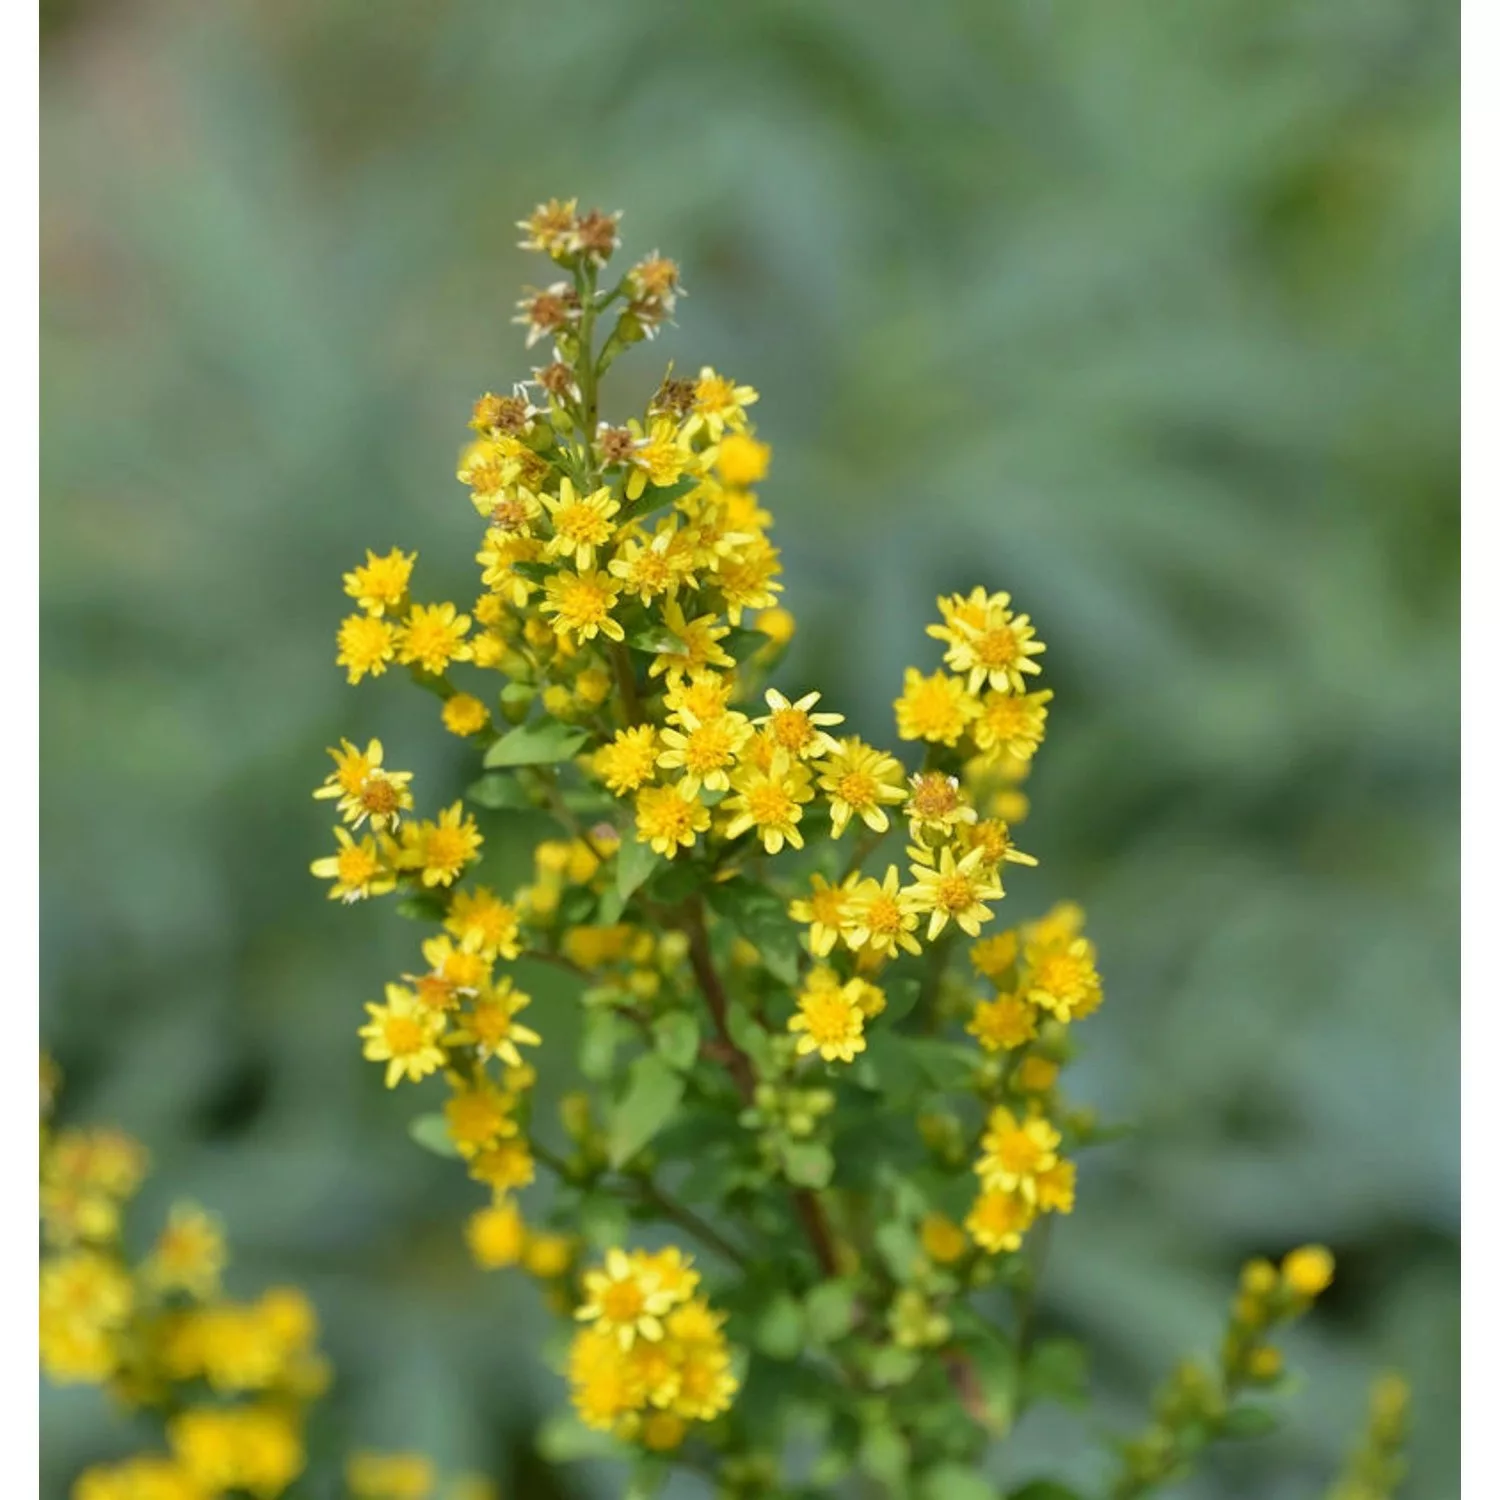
(1270, 1296)
(1377, 1466)
(159, 1333)
(650, 1358)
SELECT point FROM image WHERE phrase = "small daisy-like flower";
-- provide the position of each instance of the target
(654, 285)
(936, 807)
(662, 456)
(505, 1166)
(628, 760)
(380, 583)
(496, 1236)
(669, 818)
(498, 557)
(829, 1018)
(189, 1254)
(1308, 1270)
(580, 523)
(489, 1023)
(717, 403)
(503, 414)
(953, 890)
(404, 1035)
(481, 918)
(942, 1239)
(650, 569)
(366, 646)
(452, 970)
(1055, 1187)
(596, 235)
(740, 460)
(703, 751)
(828, 910)
(1062, 978)
(747, 578)
(861, 782)
(550, 227)
(441, 850)
(625, 1298)
(879, 920)
(769, 801)
(987, 642)
(545, 313)
(937, 709)
(992, 837)
(999, 1220)
(1005, 1022)
(478, 1115)
(992, 956)
(357, 870)
(1012, 723)
(432, 636)
(702, 696)
(365, 789)
(1016, 1152)
(464, 714)
(699, 641)
(581, 605)
(795, 728)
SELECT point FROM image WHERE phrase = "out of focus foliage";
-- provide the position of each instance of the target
(1150, 312)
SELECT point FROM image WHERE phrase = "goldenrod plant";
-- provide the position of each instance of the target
(817, 1134)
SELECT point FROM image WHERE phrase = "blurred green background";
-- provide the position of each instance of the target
(1147, 314)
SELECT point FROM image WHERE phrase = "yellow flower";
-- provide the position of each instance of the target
(942, 1239)
(496, 1236)
(1016, 1152)
(357, 870)
(879, 922)
(828, 911)
(704, 750)
(1308, 1271)
(780, 625)
(366, 646)
(769, 801)
(669, 818)
(390, 1476)
(464, 714)
(548, 1256)
(550, 227)
(364, 787)
(718, 403)
(1012, 724)
(605, 1385)
(651, 569)
(796, 729)
(189, 1254)
(146, 1476)
(998, 1220)
(860, 782)
(504, 1166)
(992, 956)
(1036, 1075)
(1006, 1022)
(404, 1036)
(703, 696)
(991, 836)
(986, 641)
(255, 1448)
(490, 1026)
(441, 850)
(502, 550)
(1055, 1185)
(937, 708)
(830, 1019)
(663, 1431)
(936, 808)
(953, 890)
(628, 761)
(1062, 978)
(699, 641)
(380, 584)
(741, 461)
(580, 523)
(478, 1115)
(747, 578)
(483, 919)
(626, 1298)
(581, 604)
(432, 636)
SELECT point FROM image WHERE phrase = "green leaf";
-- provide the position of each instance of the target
(1249, 1422)
(563, 1439)
(657, 640)
(634, 863)
(761, 917)
(424, 906)
(900, 997)
(808, 1164)
(749, 1036)
(1057, 1370)
(677, 1039)
(430, 1132)
(954, 1482)
(603, 1031)
(780, 1330)
(892, 1365)
(830, 1309)
(603, 1220)
(496, 792)
(652, 1093)
(898, 1247)
(949, 1065)
(536, 745)
(884, 1454)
